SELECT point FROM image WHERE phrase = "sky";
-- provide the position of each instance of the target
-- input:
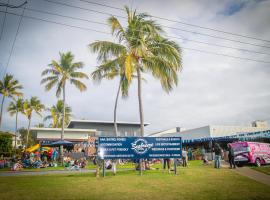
(212, 89)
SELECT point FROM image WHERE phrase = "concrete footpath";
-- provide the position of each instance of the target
(48, 172)
(255, 175)
(33, 173)
(250, 173)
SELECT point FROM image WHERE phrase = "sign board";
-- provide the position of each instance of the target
(139, 147)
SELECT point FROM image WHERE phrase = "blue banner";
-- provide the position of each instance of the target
(139, 147)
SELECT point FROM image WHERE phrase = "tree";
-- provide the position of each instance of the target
(27, 139)
(30, 106)
(16, 107)
(58, 74)
(141, 47)
(56, 114)
(9, 88)
(40, 125)
(109, 71)
(5, 143)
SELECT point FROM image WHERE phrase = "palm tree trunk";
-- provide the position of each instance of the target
(115, 108)
(16, 127)
(28, 131)
(63, 123)
(2, 105)
(140, 100)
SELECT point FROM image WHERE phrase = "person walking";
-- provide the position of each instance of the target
(218, 152)
(231, 156)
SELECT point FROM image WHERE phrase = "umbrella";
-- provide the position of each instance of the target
(61, 142)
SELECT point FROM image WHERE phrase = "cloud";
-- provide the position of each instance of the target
(212, 89)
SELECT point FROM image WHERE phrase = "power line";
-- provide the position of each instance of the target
(180, 22)
(2, 31)
(89, 29)
(182, 38)
(14, 41)
(70, 17)
(12, 6)
(3, 24)
(183, 30)
(221, 54)
(81, 8)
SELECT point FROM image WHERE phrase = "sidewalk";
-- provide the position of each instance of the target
(250, 173)
(257, 176)
(33, 173)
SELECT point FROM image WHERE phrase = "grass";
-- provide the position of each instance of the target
(195, 182)
(264, 169)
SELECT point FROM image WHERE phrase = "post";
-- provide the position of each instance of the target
(103, 171)
(140, 167)
(175, 166)
(211, 146)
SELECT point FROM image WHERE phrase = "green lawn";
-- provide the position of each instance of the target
(263, 169)
(195, 182)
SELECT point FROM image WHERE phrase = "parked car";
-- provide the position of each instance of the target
(251, 152)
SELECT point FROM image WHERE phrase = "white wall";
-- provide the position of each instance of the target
(202, 132)
(220, 131)
(69, 135)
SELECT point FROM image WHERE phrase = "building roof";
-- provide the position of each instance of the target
(103, 122)
(66, 129)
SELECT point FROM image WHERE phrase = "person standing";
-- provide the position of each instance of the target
(167, 161)
(189, 154)
(231, 156)
(218, 152)
(184, 158)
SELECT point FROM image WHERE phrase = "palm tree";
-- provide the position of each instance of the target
(30, 106)
(141, 47)
(109, 72)
(15, 107)
(58, 74)
(9, 87)
(56, 114)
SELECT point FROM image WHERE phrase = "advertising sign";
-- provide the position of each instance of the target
(139, 147)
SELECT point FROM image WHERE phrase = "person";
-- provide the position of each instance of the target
(189, 154)
(218, 152)
(231, 156)
(184, 157)
(167, 162)
(54, 155)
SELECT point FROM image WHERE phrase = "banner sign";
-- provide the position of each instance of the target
(139, 147)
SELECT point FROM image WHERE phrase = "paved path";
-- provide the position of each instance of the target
(255, 175)
(33, 173)
(21, 173)
(250, 173)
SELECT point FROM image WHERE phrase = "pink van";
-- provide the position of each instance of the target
(251, 152)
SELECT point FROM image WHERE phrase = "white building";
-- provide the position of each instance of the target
(81, 130)
(54, 134)
(210, 131)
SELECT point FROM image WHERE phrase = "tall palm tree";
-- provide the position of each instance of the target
(14, 108)
(58, 74)
(9, 88)
(30, 106)
(109, 72)
(56, 114)
(141, 47)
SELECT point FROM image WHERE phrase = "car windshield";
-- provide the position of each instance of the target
(240, 147)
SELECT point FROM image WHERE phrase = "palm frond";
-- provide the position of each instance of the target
(80, 85)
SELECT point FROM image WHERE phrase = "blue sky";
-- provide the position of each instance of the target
(212, 89)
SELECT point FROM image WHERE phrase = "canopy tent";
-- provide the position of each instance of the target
(236, 137)
(61, 143)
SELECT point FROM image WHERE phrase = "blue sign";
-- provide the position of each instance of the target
(139, 147)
